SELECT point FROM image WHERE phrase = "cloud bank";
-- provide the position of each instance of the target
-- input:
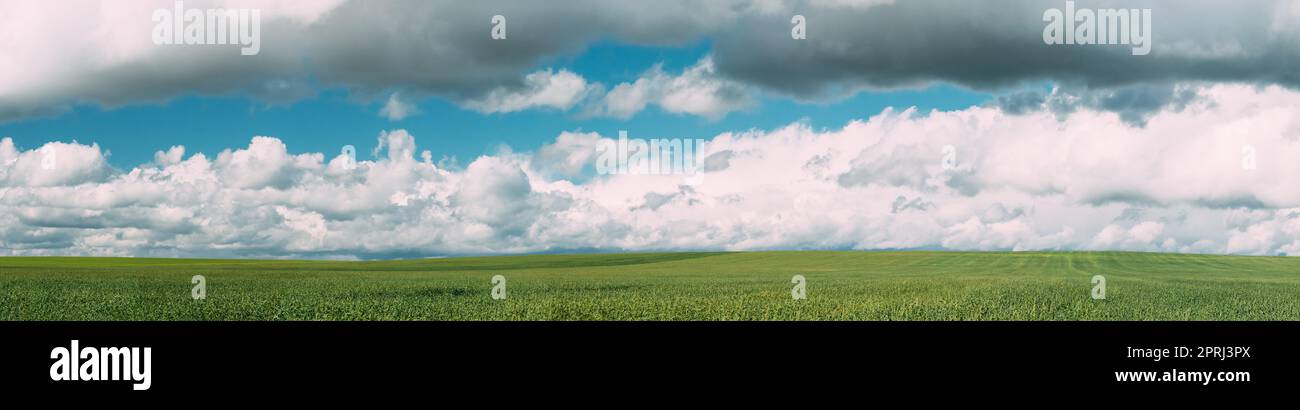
(1217, 175)
(84, 53)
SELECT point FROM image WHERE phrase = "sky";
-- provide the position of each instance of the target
(828, 124)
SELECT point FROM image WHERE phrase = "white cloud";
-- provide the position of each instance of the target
(568, 156)
(1032, 181)
(265, 163)
(698, 90)
(1141, 236)
(541, 89)
(53, 164)
(397, 109)
(84, 51)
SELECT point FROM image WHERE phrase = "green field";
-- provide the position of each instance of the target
(664, 286)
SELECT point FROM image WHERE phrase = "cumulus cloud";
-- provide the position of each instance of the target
(266, 163)
(397, 109)
(1087, 180)
(698, 90)
(546, 89)
(54, 164)
(568, 156)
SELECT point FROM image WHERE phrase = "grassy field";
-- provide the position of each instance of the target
(665, 286)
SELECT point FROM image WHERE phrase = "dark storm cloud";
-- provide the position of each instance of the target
(990, 45)
(425, 48)
(443, 48)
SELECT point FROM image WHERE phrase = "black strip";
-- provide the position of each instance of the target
(346, 358)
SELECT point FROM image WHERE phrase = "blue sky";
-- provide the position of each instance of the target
(332, 118)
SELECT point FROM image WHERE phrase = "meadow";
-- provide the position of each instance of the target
(662, 286)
